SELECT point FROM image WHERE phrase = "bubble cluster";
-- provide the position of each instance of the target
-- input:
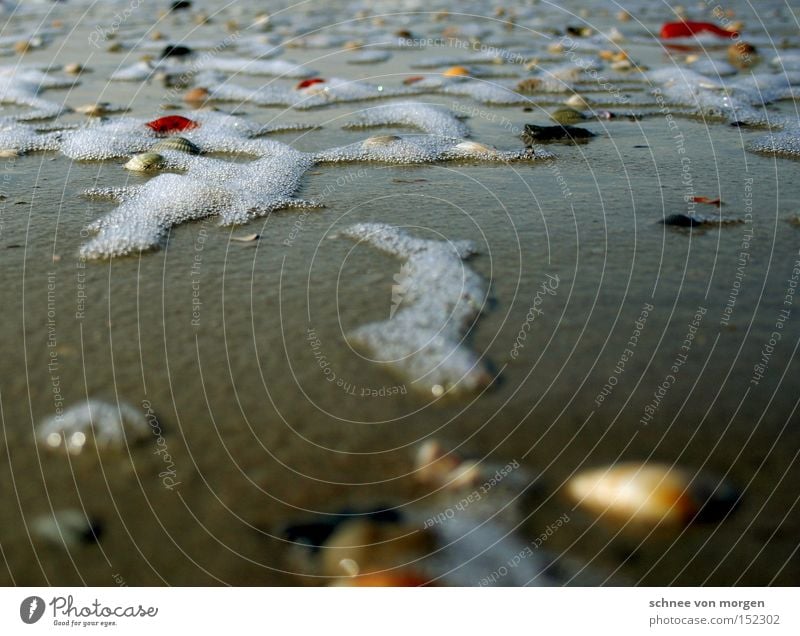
(106, 425)
(424, 339)
(430, 119)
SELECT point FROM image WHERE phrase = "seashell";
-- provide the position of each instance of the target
(309, 82)
(360, 547)
(567, 116)
(650, 494)
(615, 35)
(9, 153)
(181, 144)
(467, 475)
(114, 47)
(623, 16)
(74, 69)
(156, 36)
(475, 147)
(622, 65)
(456, 71)
(742, 54)
(145, 162)
(529, 85)
(578, 101)
(196, 95)
(379, 141)
(413, 79)
(23, 46)
(432, 462)
(247, 238)
(66, 528)
(685, 29)
(171, 123)
(94, 110)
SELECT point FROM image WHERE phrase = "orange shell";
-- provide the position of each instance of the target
(456, 71)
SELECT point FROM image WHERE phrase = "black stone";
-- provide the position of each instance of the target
(182, 4)
(176, 50)
(542, 134)
(681, 220)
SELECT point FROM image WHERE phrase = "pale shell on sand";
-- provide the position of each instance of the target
(650, 494)
(380, 141)
(145, 162)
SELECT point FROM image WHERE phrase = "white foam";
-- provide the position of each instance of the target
(430, 119)
(368, 56)
(22, 87)
(235, 192)
(411, 149)
(107, 425)
(334, 90)
(441, 297)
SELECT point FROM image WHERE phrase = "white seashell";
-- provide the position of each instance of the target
(649, 494)
(433, 463)
(475, 148)
(578, 101)
(380, 140)
(145, 162)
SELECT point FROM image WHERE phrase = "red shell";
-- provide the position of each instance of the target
(686, 29)
(172, 123)
(709, 201)
(413, 79)
(309, 82)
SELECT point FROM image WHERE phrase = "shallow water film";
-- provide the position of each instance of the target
(476, 293)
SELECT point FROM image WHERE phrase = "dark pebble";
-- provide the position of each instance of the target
(182, 4)
(533, 134)
(315, 533)
(681, 220)
(175, 51)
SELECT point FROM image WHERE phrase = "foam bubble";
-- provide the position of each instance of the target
(431, 119)
(334, 90)
(413, 149)
(107, 425)
(439, 300)
(235, 192)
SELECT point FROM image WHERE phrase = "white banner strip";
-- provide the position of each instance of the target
(404, 611)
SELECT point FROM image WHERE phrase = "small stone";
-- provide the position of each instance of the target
(175, 50)
(534, 134)
(567, 116)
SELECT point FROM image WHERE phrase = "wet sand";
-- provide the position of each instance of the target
(257, 435)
